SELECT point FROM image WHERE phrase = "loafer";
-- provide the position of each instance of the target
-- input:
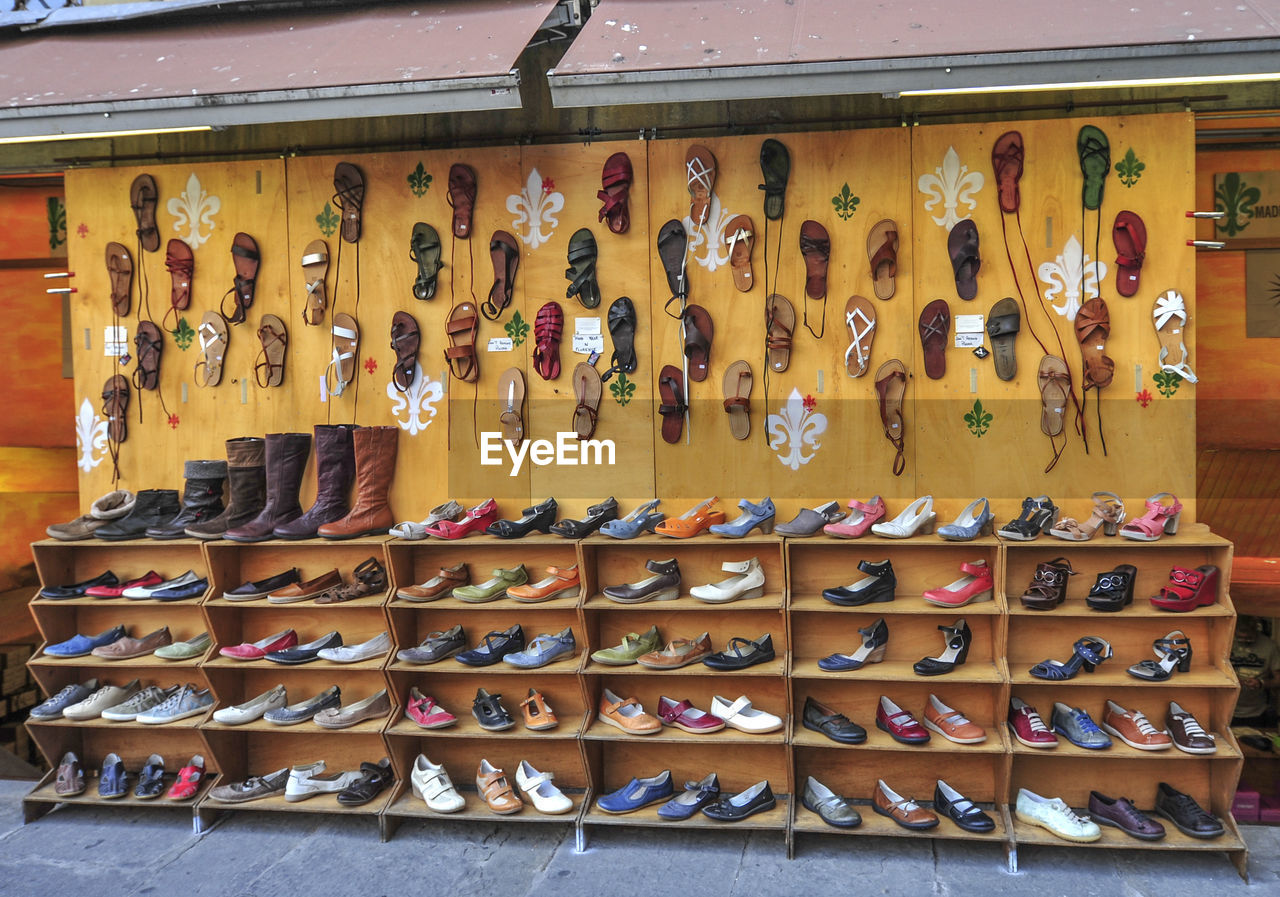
(902, 810)
(1122, 814)
(493, 786)
(79, 645)
(1134, 729)
(377, 646)
(113, 781)
(537, 787)
(495, 646)
(142, 592)
(1028, 727)
(638, 793)
(633, 647)
(425, 712)
(695, 796)
(810, 521)
(302, 711)
(251, 591)
(150, 578)
(684, 716)
(431, 782)
(438, 586)
(1075, 725)
(151, 779)
(627, 715)
(960, 810)
(836, 726)
(951, 724)
(127, 647)
(187, 783)
(300, 654)
(74, 693)
(305, 782)
(104, 698)
(258, 650)
(142, 701)
(182, 592)
(900, 724)
(252, 788)
(1186, 815)
(436, 646)
(70, 779)
(252, 709)
(493, 588)
(192, 647)
(374, 779)
(375, 706)
(561, 582)
(663, 585)
(830, 807)
(746, 581)
(1187, 733)
(301, 591)
(742, 716)
(77, 590)
(742, 653)
(543, 650)
(489, 712)
(878, 586)
(186, 701)
(1053, 815)
(756, 799)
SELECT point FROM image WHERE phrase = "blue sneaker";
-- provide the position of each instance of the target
(80, 645)
(543, 650)
(752, 515)
(637, 793)
(1075, 725)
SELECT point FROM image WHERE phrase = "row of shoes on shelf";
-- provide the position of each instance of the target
(1113, 591)
(497, 646)
(880, 585)
(431, 784)
(150, 586)
(629, 715)
(1054, 815)
(703, 796)
(1181, 730)
(489, 712)
(325, 709)
(353, 788)
(455, 582)
(113, 778)
(875, 641)
(285, 647)
(908, 813)
(131, 702)
(288, 587)
(647, 649)
(1172, 651)
(116, 644)
(898, 723)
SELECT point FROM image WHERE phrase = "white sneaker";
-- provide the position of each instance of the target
(748, 583)
(742, 716)
(917, 518)
(374, 647)
(1053, 815)
(253, 708)
(310, 780)
(431, 782)
(545, 797)
(103, 699)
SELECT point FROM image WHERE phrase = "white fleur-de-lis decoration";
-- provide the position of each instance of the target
(91, 437)
(1063, 276)
(794, 431)
(535, 206)
(710, 236)
(194, 209)
(951, 184)
(419, 399)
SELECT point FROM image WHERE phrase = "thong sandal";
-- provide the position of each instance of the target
(775, 167)
(779, 324)
(673, 244)
(505, 255)
(935, 326)
(962, 246)
(1094, 151)
(1130, 237)
(622, 328)
(462, 198)
(149, 342)
(275, 340)
(315, 266)
(213, 336)
(615, 190)
(547, 328)
(581, 272)
(860, 318)
(1170, 315)
(699, 330)
(737, 394)
(1055, 383)
(891, 388)
(739, 238)
(1006, 160)
(143, 197)
(424, 248)
(511, 391)
(120, 275)
(588, 389)
(815, 246)
(405, 340)
(1003, 322)
(882, 250)
(245, 257)
(348, 195)
(462, 327)
(181, 265)
(346, 343)
(115, 407)
(700, 169)
(673, 407)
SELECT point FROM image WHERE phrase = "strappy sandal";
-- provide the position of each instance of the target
(547, 327)
(700, 169)
(860, 318)
(597, 516)
(424, 248)
(1048, 587)
(739, 238)
(588, 389)
(369, 578)
(622, 329)
(673, 244)
(581, 272)
(511, 391)
(673, 407)
(115, 407)
(462, 198)
(143, 197)
(1003, 323)
(962, 247)
(1093, 326)
(405, 340)
(779, 324)
(245, 257)
(1089, 652)
(1170, 315)
(935, 326)
(615, 189)
(1006, 161)
(149, 343)
(505, 255)
(462, 326)
(775, 168)
(737, 394)
(1038, 516)
(120, 276)
(1055, 387)
(1174, 653)
(348, 195)
(1159, 518)
(815, 247)
(1129, 235)
(1108, 513)
(346, 343)
(1094, 151)
(181, 265)
(275, 340)
(699, 330)
(315, 267)
(213, 336)
(891, 388)
(882, 251)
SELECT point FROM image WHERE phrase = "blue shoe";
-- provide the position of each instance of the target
(1075, 725)
(544, 649)
(80, 645)
(640, 520)
(638, 793)
(495, 646)
(181, 593)
(695, 796)
(114, 781)
(760, 515)
(970, 524)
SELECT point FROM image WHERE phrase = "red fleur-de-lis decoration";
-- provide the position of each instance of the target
(810, 403)
(548, 185)
(174, 421)
(1144, 398)
(83, 230)
(371, 364)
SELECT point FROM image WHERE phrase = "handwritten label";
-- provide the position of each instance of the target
(501, 344)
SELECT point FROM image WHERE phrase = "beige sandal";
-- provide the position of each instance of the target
(511, 393)
(275, 339)
(860, 318)
(882, 251)
(315, 266)
(346, 343)
(213, 336)
(589, 389)
(737, 395)
(1055, 384)
(1108, 513)
(1170, 314)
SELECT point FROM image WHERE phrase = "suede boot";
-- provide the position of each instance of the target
(153, 507)
(247, 477)
(375, 468)
(335, 469)
(201, 500)
(286, 460)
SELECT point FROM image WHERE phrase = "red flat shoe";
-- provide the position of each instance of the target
(476, 521)
(900, 724)
(1188, 589)
(261, 648)
(152, 578)
(424, 711)
(976, 585)
(859, 522)
(188, 781)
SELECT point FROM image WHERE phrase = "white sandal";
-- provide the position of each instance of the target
(917, 518)
(855, 310)
(1169, 305)
(214, 338)
(346, 343)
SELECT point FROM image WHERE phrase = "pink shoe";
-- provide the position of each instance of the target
(1160, 518)
(976, 585)
(426, 712)
(261, 648)
(474, 521)
(859, 522)
(1028, 727)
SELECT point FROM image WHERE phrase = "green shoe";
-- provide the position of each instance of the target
(632, 646)
(186, 650)
(494, 588)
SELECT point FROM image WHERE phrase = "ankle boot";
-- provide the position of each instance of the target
(286, 460)
(335, 469)
(153, 507)
(201, 499)
(375, 467)
(247, 478)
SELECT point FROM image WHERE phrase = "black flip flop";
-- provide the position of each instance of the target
(424, 248)
(622, 327)
(581, 272)
(775, 166)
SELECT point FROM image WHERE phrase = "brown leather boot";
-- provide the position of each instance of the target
(247, 478)
(286, 460)
(375, 468)
(335, 469)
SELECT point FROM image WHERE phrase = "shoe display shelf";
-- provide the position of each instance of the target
(977, 688)
(261, 747)
(59, 563)
(453, 685)
(740, 759)
(1208, 691)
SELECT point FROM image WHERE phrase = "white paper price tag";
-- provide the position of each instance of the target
(586, 325)
(968, 340)
(969, 324)
(501, 344)
(586, 343)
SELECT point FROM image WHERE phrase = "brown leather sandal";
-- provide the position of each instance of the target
(1054, 378)
(315, 267)
(405, 340)
(181, 265)
(149, 343)
(673, 407)
(962, 247)
(698, 333)
(269, 369)
(511, 391)
(737, 395)
(891, 388)
(815, 246)
(882, 250)
(120, 275)
(739, 238)
(143, 197)
(779, 324)
(462, 198)
(245, 257)
(115, 407)
(700, 169)
(348, 195)
(213, 336)
(935, 327)
(588, 389)
(1093, 326)
(461, 327)
(505, 254)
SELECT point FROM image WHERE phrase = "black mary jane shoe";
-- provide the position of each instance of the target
(1038, 516)
(957, 651)
(1114, 590)
(758, 798)
(960, 810)
(539, 517)
(374, 779)
(489, 712)
(878, 585)
(742, 653)
(597, 516)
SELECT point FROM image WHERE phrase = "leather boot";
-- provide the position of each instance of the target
(286, 460)
(247, 477)
(201, 500)
(153, 507)
(375, 468)
(335, 469)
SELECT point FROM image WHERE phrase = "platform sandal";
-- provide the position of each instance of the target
(1113, 590)
(1048, 586)
(1189, 589)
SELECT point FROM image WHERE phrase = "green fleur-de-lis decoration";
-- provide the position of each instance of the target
(1167, 382)
(328, 220)
(57, 213)
(517, 328)
(845, 202)
(419, 181)
(1129, 168)
(1236, 198)
(622, 389)
(978, 420)
(183, 334)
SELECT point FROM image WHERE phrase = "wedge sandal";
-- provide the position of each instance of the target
(269, 369)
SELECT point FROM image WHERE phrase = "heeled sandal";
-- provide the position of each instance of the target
(539, 517)
(875, 640)
(1108, 513)
(1038, 516)
(956, 652)
(1048, 586)
(1113, 591)
(597, 516)
(642, 519)
(692, 521)
(1160, 518)
(1089, 652)
(475, 520)
(1188, 589)
(1174, 653)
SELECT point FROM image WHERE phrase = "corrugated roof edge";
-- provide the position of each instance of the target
(125, 13)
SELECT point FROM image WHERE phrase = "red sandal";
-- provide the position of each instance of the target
(1189, 589)
(475, 520)
(547, 328)
(615, 183)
